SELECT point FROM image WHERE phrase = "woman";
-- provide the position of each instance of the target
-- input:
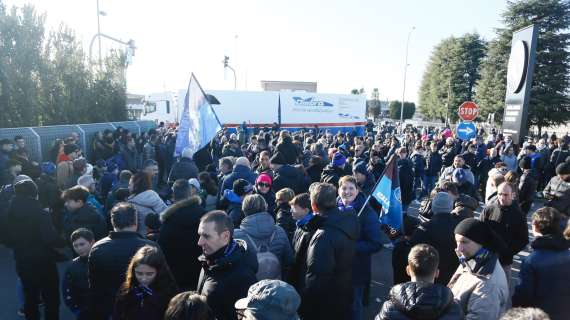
(147, 289)
(351, 201)
(188, 306)
(144, 199)
(262, 187)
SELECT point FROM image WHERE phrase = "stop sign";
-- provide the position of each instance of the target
(468, 111)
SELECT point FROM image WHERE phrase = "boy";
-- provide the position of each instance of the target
(75, 286)
(80, 214)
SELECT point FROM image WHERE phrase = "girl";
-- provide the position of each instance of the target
(147, 289)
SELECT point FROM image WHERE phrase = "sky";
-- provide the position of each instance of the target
(340, 44)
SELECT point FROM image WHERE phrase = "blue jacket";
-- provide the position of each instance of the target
(369, 241)
(419, 164)
(433, 164)
(544, 277)
(239, 172)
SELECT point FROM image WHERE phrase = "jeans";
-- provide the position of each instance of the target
(44, 282)
(429, 184)
(357, 302)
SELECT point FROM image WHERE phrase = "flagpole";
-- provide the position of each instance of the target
(376, 184)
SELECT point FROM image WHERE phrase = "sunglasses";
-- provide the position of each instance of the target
(262, 184)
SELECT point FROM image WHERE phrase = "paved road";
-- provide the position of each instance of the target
(381, 283)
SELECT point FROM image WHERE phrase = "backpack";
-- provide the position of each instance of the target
(269, 265)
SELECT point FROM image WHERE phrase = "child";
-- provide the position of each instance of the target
(75, 286)
(80, 214)
(148, 287)
(283, 216)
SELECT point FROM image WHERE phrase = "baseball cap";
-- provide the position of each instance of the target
(271, 299)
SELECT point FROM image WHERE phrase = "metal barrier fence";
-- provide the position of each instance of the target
(40, 140)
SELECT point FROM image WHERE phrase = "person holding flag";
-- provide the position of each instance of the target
(387, 193)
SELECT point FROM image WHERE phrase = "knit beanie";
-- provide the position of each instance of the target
(459, 176)
(26, 188)
(338, 159)
(479, 232)
(264, 178)
(442, 203)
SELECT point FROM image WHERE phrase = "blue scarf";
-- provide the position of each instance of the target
(305, 220)
(141, 292)
(356, 205)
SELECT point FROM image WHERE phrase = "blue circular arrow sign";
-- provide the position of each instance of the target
(466, 130)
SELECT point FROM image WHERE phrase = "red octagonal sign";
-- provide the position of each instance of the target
(468, 111)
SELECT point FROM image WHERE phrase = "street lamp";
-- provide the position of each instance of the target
(405, 73)
(227, 65)
(100, 13)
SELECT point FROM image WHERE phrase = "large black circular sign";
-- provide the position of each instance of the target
(518, 61)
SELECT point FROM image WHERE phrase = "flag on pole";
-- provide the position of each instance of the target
(387, 192)
(198, 123)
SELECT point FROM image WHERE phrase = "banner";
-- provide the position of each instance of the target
(198, 123)
(387, 192)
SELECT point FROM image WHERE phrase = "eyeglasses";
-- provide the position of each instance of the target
(262, 184)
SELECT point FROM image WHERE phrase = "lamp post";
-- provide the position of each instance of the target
(99, 13)
(227, 65)
(405, 73)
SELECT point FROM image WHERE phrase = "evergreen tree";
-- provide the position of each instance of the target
(396, 107)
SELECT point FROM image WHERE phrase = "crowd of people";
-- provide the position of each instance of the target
(265, 223)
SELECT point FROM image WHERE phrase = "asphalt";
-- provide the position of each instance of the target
(380, 286)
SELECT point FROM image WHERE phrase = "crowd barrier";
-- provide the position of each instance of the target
(40, 140)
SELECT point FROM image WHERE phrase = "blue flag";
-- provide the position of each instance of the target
(387, 192)
(198, 123)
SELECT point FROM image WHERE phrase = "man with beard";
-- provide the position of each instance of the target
(557, 191)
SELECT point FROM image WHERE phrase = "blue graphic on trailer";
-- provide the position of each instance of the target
(466, 130)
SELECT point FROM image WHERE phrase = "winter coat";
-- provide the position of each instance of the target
(544, 277)
(464, 207)
(75, 287)
(108, 262)
(289, 177)
(239, 172)
(179, 241)
(269, 198)
(510, 224)
(467, 188)
(420, 300)
(284, 219)
(527, 189)
(331, 174)
(433, 164)
(64, 172)
(260, 227)
(557, 194)
(288, 150)
(419, 164)
(226, 278)
(48, 191)
(146, 202)
(447, 154)
(438, 232)
(369, 241)
(303, 234)
(470, 160)
(183, 169)
(447, 173)
(328, 282)
(29, 231)
(400, 253)
(315, 171)
(85, 217)
(232, 204)
(482, 293)
(510, 161)
(406, 175)
(142, 303)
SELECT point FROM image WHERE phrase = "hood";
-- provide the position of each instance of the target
(420, 300)
(231, 197)
(550, 242)
(343, 221)
(260, 225)
(25, 207)
(147, 198)
(185, 212)
(242, 171)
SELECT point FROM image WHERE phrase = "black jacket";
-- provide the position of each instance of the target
(510, 224)
(527, 188)
(183, 169)
(284, 219)
(420, 300)
(289, 177)
(328, 282)
(438, 232)
(85, 217)
(331, 174)
(75, 287)
(29, 231)
(226, 278)
(288, 150)
(406, 175)
(108, 262)
(433, 164)
(544, 277)
(301, 239)
(179, 241)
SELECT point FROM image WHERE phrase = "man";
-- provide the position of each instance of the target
(179, 235)
(263, 163)
(150, 167)
(233, 199)
(29, 231)
(75, 286)
(12, 169)
(65, 168)
(335, 170)
(228, 268)
(241, 170)
(479, 285)
(90, 184)
(421, 298)
(6, 147)
(110, 257)
(557, 191)
(123, 183)
(458, 162)
(438, 232)
(286, 147)
(81, 214)
(185, 168)
(406, 175)
(448, 152)
(270, 299)
(505, 218)
(544, 273)
(328, 282)
(285, 175)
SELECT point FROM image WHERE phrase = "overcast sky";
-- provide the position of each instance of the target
(339, 44)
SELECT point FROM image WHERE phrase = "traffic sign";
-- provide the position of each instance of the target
(466, 130)
(468, 111)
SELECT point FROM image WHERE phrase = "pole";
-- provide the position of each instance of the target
(99, 32)
(405, 73)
